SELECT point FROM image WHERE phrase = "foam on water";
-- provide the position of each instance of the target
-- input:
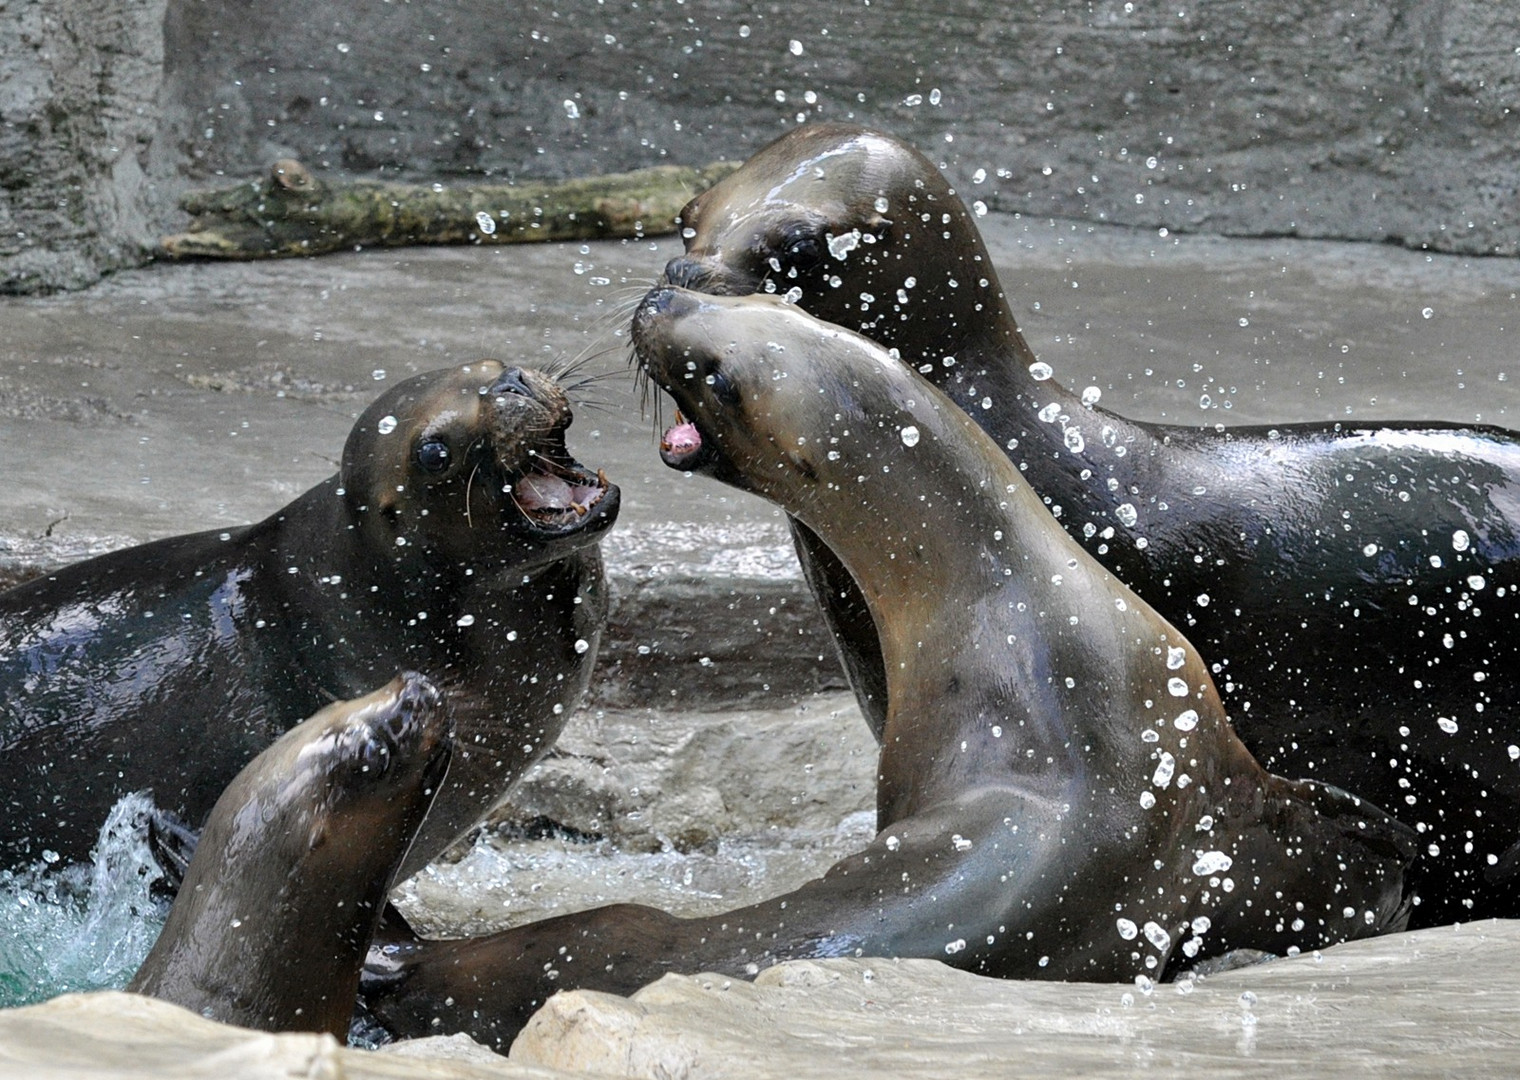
(74, 927)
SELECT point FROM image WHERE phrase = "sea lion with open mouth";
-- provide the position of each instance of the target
(459, 539)
(1060, 794)
(1355, 585)
(291, 873)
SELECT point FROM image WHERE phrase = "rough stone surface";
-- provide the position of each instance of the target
(1364, 120)
(1432, 1003)
(79, 83)
(115, 1036)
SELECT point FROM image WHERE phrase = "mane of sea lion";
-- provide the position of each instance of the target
(459, 539)
(1060, 794)
(291, 873)
(1362, 580)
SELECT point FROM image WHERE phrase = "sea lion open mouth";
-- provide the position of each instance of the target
(682, 446)
(554, 492)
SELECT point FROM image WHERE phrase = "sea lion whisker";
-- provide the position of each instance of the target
(468, 486)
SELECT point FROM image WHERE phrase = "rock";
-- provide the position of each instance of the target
(79, 86)
(1432, 1003)
(113, 1036)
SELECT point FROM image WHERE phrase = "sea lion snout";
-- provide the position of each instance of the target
(418, 701)
(512, 381)
(705, 275)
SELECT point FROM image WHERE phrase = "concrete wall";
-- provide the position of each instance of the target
(1357, 119)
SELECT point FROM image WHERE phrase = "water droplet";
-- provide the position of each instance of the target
(1427, 312)
(934, 96)
(881, 204)
(386, 425)
(953, 947)
(1091, 395)
(1151, 163)
(979, 208)
(1039, 371)
(1144, 984)
(1165, 768)
(1176, 656)
(794, 47)
(960, 843)
(893, 843)
(840, 246)
(909, 435)
(1074, 441)
(1459, 540)
(1127, 929)
(1186, 720)
(582, 645)
(1446, 724)
(1157, 936)
(1210, 863)
(343, 46)
(1050, 412)
(485, 222)
(793, 294)
(1244, 321)
(913, 99)
(1370, 550)
(1147, 800)
(1126, 514)
(465, 620)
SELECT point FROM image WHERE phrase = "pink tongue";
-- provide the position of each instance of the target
(541, 492)
(682, 439)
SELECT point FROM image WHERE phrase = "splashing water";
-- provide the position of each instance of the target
(82, 927)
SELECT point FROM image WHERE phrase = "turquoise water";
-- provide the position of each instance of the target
(82, 926)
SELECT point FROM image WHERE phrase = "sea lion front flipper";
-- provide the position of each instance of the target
(172, 843)
(1327, 866)
(849, 621)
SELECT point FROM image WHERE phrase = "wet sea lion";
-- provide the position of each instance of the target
(1060, 794)
(1356, 585)
(459, 539)
(291, 873)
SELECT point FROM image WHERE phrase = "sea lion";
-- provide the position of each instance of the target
(1060, 793)
(459, 539)
(290, 876)
(1355, 585)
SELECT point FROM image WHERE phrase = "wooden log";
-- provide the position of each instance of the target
(292, 213)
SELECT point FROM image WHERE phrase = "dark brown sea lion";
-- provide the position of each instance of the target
(459, 539)
(1355, 585)
(1060, 793)
(291, 873)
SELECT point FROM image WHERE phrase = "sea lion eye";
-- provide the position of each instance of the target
(433, 455)
(803, 253)
(723, 388)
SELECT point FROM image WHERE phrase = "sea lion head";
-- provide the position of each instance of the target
(858, 227)
(467, 466)
(293, 867)
(771, 399)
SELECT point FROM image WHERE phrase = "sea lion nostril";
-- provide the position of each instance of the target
(687, 273)
(512, 381)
